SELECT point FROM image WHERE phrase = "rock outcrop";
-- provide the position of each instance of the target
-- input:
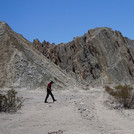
(99, 56)
(22, 66)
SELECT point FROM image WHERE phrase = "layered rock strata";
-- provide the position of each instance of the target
(101, 55)
(22, 66)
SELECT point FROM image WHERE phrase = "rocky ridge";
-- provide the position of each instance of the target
(99, 56)
(22, 66)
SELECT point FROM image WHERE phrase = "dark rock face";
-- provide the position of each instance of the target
(101, 55)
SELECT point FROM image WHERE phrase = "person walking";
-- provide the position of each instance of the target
(49, 92)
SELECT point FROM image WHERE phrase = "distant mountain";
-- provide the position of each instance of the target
(22, 66)
(99, 56)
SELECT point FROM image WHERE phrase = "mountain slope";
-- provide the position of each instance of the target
(101, 56)
(21, 65)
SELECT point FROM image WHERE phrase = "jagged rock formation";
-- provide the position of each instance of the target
(101, 55)
(21, 65)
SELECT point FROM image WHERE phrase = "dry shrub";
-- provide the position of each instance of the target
(9, 102)
(123, 95)
(108, 89)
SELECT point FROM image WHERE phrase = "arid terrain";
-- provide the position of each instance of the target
(75, 112)
(80, 69)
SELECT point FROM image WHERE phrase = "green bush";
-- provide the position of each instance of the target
(9, 102)
(123, 95)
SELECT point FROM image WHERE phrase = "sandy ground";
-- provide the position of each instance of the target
(74, 112)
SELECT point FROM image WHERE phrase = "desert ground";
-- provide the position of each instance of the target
(74, 112)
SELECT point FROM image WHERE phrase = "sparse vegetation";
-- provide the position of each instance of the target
(123, 95)
(9, 102)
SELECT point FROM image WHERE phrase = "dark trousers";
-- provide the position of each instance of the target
(49, 92)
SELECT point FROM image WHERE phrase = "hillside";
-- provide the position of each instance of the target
(99, 56)
(22, 66)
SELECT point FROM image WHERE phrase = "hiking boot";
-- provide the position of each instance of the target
(54, 100)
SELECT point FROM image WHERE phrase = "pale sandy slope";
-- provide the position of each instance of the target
(75, 112)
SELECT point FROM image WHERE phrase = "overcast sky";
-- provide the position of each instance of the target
(60, 20)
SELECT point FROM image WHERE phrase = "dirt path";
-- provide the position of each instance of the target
(80, 112)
